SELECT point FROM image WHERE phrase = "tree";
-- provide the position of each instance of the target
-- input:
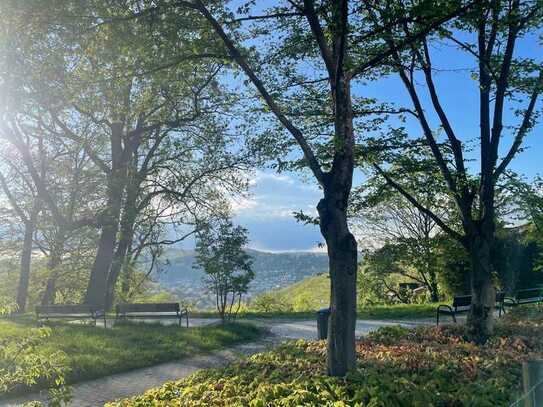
(323, 49)
(228, 268)
(149, 124)
(386, 218)
(25, 205)
(490, 33)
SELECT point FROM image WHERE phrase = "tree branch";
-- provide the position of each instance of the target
(274, 107)
(406, 41)
(419, 206)
(523, 129)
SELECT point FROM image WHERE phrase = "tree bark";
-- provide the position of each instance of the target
(336, 183)
(119, 259)
(26, 258)
(342, 255)
(481, 318)
(431, 272)
(96, 290)
(54, 262)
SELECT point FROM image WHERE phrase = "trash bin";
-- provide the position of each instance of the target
(322, 323)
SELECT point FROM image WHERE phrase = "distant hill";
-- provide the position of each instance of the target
(309, 294)
(272, 271)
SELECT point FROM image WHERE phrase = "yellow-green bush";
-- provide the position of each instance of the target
(426, 366)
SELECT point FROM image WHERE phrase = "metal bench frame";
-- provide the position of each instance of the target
(462, 304)
(152, 311)
(524, 297)
(72, 312)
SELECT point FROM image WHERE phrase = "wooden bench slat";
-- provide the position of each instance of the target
(65, 308)
(462, 301)
(152, 311)
(462, 304)
(148, 307)
(69, 311)
(526, 296)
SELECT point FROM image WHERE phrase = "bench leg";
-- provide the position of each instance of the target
(187, 316)
(454, 318)
(437, 318)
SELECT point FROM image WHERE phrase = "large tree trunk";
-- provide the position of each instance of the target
(434, 290)
(128, 219)
(431, 273)
(342, 255)
(481, 318)
(96, 290)
(53, 264)
(126, 279)
(119, 259)
(26, 258)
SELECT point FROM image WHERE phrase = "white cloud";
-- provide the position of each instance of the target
(263, 177)
(275, 196)
(319, 248)
(239, 204)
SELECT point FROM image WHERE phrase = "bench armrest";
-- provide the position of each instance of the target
(441, 306)
(508, 301)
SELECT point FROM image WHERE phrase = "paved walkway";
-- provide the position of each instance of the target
(96, 392)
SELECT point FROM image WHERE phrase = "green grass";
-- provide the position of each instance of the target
(311, 292)
(374, 312)
(95, 352)
(398, 311)
(302, 299)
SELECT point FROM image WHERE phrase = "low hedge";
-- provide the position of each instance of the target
(426, 366)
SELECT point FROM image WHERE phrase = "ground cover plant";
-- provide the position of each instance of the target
(426, 366)
(89, 352)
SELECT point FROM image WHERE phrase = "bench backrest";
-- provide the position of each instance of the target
(462, 301)
(528, 293)
(148, 307)
(67, 309)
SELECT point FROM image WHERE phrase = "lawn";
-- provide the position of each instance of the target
(394, 312)
(92, 352)
(426, 366)
(304, 298)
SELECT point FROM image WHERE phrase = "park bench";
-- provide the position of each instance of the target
(152, 311)
(528, 296)
(69, 312)
(462, 304)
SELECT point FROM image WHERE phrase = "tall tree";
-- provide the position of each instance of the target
(26, 206)
(321, 48)
(490, 33)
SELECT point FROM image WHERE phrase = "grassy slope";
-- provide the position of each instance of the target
(312, 293)
(94, 352)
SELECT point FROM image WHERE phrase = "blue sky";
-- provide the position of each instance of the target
(267, 212)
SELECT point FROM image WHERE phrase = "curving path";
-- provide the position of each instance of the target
(96, 392)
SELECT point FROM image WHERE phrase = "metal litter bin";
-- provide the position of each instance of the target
(322, 323)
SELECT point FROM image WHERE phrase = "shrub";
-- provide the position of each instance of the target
(270, 302)
(24, 364)
(426, 366)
